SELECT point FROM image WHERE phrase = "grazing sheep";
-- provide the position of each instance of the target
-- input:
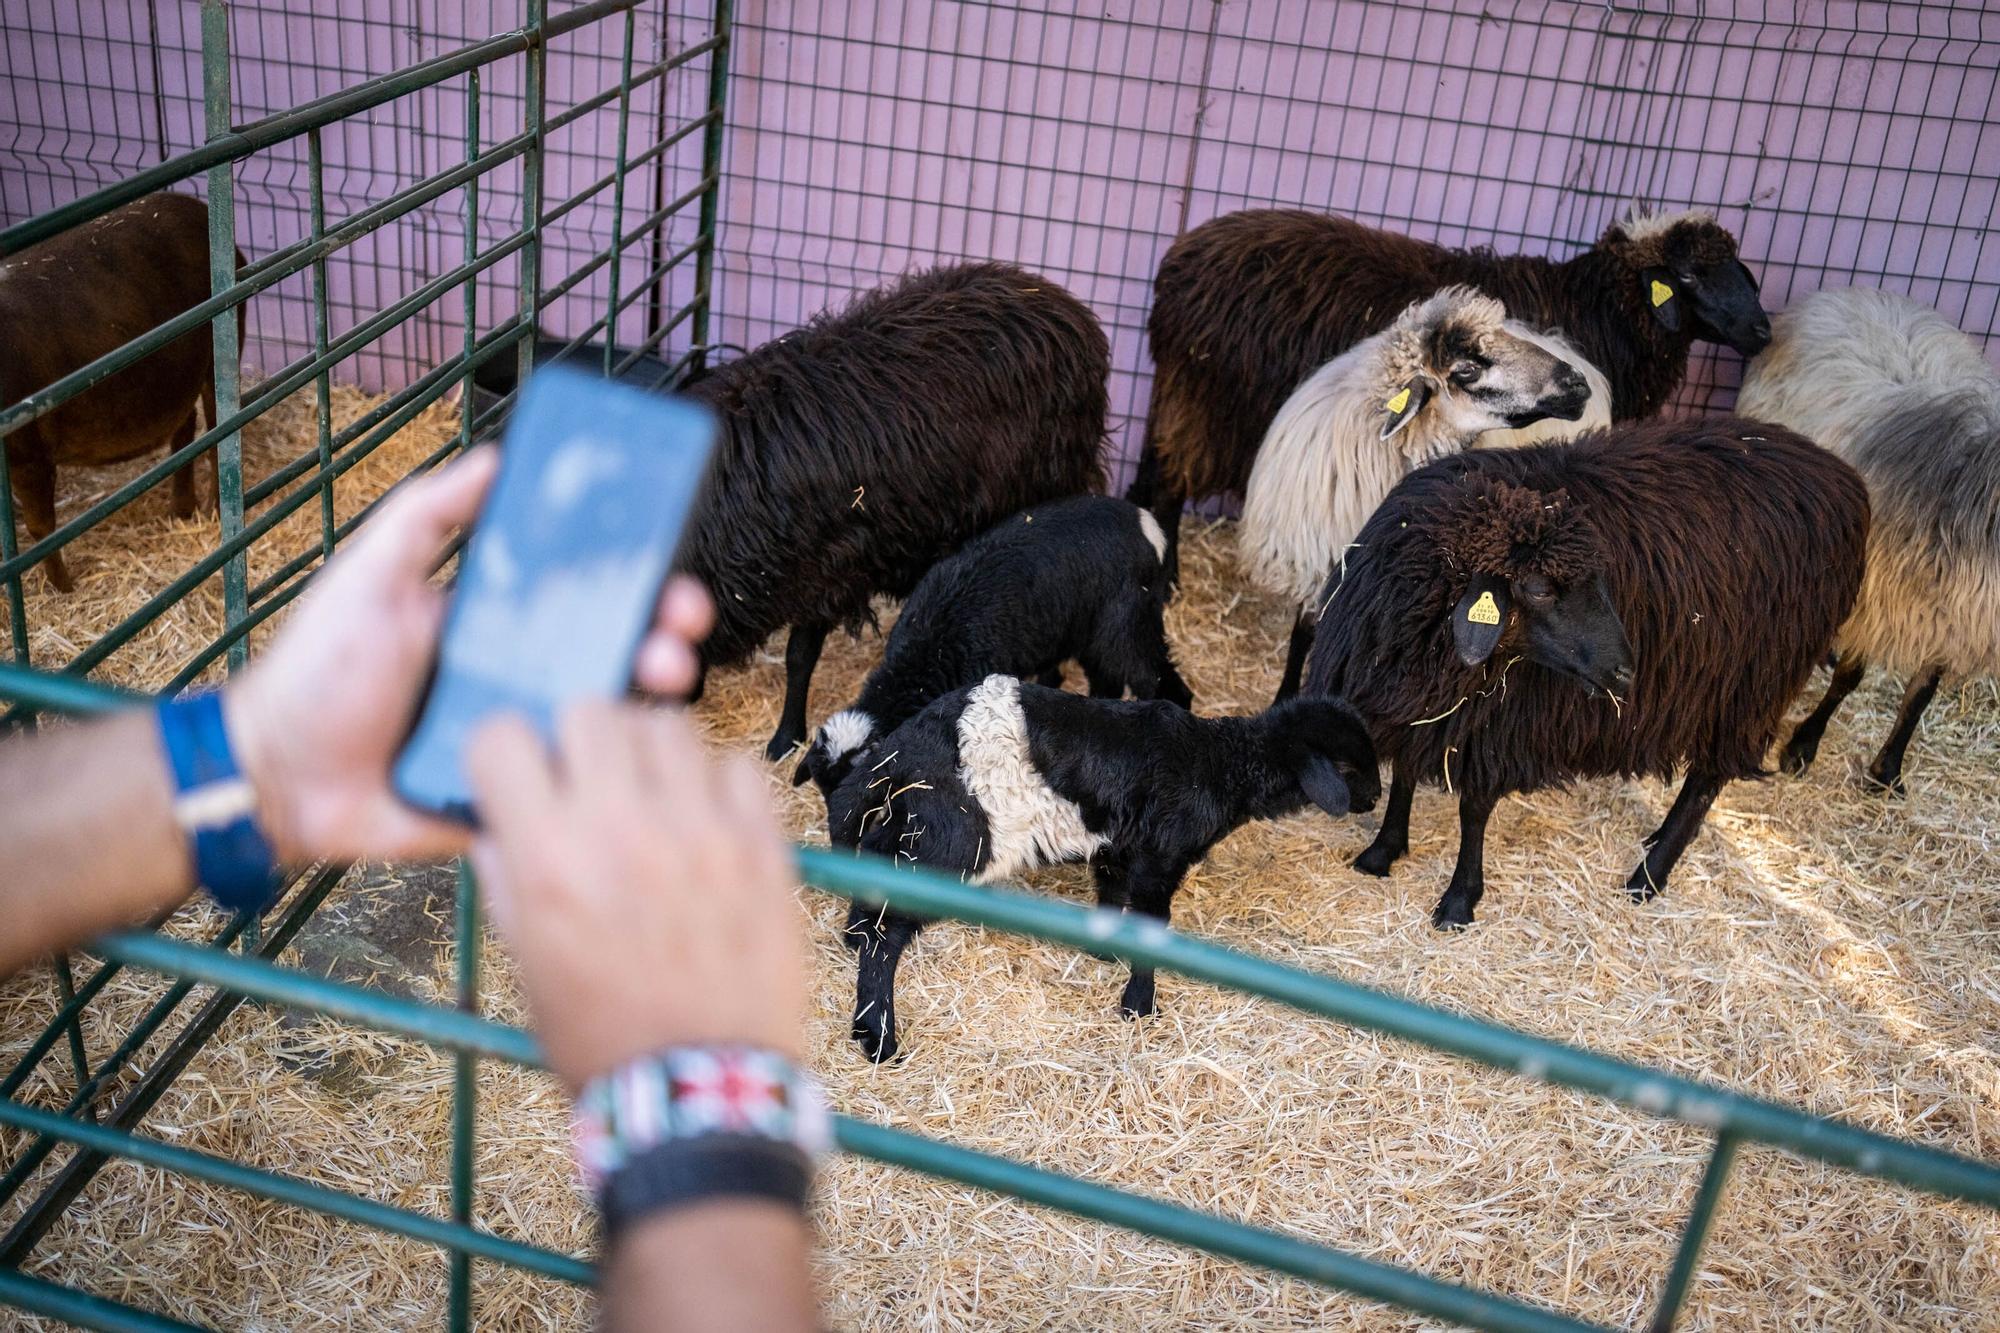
(79, 296)
(1640, 599)
(1447, 373)
(1893, 388)
(1072, 579)
(1247, 305)
(860, 450)
(1002, 777)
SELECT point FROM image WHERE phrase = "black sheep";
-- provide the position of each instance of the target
(858, 451)
(1076, 579)
(1004, 776)
(1627, 603)
(1247, 305)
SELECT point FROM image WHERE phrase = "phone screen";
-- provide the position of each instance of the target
(559, 580)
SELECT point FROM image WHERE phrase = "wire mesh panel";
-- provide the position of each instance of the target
(96, 93)
(1842, 143)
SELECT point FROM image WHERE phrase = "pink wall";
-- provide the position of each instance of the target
(1844, 142)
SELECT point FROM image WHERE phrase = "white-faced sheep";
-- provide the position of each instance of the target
(1641, 599)
(1449, 372)
(1893, 388)
(860, 450)
(1002, 777)
(1072, 580)
(1247, 305)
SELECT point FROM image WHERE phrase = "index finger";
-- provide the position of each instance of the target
(410, 529)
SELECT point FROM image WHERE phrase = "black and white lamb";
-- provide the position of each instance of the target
(1004, 776)
(1894, 389)
(1072, 580)
(860, 450)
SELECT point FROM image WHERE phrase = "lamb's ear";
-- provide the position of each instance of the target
(1324, 786)
(1479, 617)
(1663, 297)
(1402, 406)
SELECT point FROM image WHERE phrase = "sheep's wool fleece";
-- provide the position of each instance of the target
(1028, 823)
(1895, 389)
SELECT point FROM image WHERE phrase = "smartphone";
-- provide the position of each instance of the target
(560, 579)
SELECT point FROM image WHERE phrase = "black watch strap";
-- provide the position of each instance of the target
(678, 1172)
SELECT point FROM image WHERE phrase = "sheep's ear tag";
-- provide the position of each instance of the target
(1402, 406)
(1662, 298)
(1479, 618)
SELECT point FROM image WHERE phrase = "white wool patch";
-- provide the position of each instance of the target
(1642, 226)
(845, 731)
(1151, 527)
(1027, 823)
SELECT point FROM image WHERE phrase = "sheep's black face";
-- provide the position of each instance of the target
(1700, 267)
(1574, 630)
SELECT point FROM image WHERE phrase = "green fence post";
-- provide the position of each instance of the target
(323, 382)
(711, 171)
(464, 1096)
(215, 99)
(618, 192)
(1699, 1218)
(465, 386)
(534, 117)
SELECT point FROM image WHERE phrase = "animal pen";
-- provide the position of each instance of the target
(432, 198)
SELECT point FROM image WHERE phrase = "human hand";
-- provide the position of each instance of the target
(317, 719)
(643, 887)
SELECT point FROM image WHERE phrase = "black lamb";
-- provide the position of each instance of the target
(1627, 603)
(1005, 776)
(1076, 579)
(858, 451)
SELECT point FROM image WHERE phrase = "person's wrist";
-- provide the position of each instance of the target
(615, 1035)
(257, 744)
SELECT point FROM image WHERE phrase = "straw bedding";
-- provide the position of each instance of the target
(1819, 945)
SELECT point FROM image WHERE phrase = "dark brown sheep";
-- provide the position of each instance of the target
(860, 450)
(1635, 601)
(1247, 305)
(87, 292)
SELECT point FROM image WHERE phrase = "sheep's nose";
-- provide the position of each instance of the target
(1569, 379)
(1621, 677)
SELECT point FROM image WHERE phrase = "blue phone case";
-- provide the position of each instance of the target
(561, 576)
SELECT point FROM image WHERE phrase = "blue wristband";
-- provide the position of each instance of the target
(215, 806)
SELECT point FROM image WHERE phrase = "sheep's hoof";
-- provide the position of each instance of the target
(1885, 783)
(1799, 755)
(878, 1043)
(57, 572)
(1377, 859)
(783, 742)
(1136, 1003)
(1641, 887)
(1452, 914)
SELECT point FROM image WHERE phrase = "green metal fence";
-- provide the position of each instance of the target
(238, 961)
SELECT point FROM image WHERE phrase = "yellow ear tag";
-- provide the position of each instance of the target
(1661, 292)
(1484, 611)
(1400, 401)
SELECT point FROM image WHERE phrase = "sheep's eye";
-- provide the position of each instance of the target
(1686, 275)
(1466, 373)
(1537, 591)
